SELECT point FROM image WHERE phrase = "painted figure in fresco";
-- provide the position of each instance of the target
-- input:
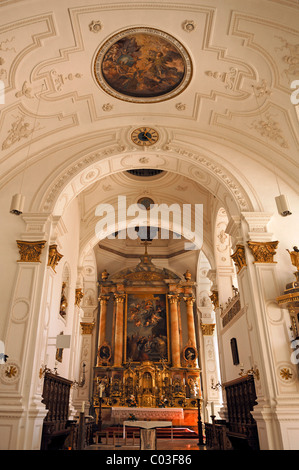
(143, 65)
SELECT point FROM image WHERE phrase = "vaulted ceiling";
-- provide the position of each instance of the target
(243, 59)
(233, 105)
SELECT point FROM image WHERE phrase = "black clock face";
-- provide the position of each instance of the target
(144, 136)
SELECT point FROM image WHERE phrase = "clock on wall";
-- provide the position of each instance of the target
(144, 136)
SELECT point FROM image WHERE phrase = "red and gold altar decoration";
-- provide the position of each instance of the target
(147, 354)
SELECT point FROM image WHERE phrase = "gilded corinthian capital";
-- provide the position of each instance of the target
(207, 328)
(30, 252)
(263, 252)
(104, 299)
(189, 300)
(54, 257)
(239, 257)
(173, 298)
(120, 298)
(86, 328)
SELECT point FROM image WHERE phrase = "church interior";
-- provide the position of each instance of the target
(150, 214)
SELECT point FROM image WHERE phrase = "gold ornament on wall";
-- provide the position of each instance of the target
(104, 275)
(239, 257)
(215, 298)
(263, 252)
(30, 252)
(86, 328)
(63, 300)
(54, 257)
(294, 255)
(207, 328)
(285, 373)
(187, 275)
(78, 297)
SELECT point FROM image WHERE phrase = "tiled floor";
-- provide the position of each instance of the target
(162, 444)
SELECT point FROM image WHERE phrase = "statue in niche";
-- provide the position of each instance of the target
(63, 301)
(193, 387)
(294, 256)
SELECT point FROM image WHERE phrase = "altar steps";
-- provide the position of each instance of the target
(162, 433)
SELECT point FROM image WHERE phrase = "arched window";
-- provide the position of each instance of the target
(235, 353)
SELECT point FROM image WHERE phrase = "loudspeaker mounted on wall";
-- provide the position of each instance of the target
(283, 205)
(17, 204)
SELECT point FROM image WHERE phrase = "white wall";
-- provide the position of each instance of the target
(69, 248)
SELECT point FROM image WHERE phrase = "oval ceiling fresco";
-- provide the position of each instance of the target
(143, 65)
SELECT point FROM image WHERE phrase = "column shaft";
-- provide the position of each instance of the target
(119, 330)
(103, 318)
(174, 329)
(190, 320)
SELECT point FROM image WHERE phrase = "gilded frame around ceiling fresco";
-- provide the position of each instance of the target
(143, 65)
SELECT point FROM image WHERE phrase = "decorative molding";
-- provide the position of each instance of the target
(180, 106)
(20, 129)
(207, 328)
(291, 60)
(59, 80)
(95, 26)
(86, 328)
(261, 89)
(228, 78)
(285, 373)
(30, 252)
(258, 226)
(69, 173)
(270, 129)
(239, 257)
(220, 172)
(188, 26)
(107, 107)
(263, 252)
(54, 257)
(25, 91)
(10, 372)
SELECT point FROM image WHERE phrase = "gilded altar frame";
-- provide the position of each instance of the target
(148, 295)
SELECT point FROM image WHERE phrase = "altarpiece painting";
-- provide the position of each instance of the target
(146, 327)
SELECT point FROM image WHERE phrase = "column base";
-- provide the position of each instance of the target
(278, 427)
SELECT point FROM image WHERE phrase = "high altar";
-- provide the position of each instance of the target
(147, 354)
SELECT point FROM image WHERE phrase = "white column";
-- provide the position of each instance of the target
(81, 394)
(21, 410)
(277, 386)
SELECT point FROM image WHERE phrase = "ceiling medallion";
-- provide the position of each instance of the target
(144, 136)
(143, 65)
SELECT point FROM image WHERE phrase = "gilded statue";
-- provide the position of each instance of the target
(63, 301)
(294, 256)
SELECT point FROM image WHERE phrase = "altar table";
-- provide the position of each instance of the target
(142, 414)
(147, 432)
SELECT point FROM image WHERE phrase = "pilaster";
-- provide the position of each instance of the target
(267, 330)
(21, 409)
